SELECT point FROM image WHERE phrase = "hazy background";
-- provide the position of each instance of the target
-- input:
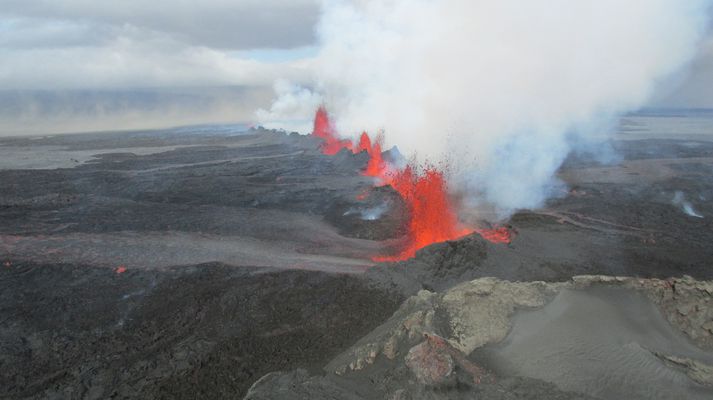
(77, 65)
(86, 65)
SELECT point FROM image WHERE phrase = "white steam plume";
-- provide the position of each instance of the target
(292, 109)
(501, 89)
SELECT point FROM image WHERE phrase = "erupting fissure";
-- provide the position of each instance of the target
(432, 217)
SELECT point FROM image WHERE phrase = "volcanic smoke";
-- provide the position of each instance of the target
(432, 217)
(502, 90)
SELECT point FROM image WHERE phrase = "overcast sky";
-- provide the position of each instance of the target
(49, 44)
(65, 46)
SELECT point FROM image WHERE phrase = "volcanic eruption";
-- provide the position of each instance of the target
(362, 252)
(500, 97)
(432, 215)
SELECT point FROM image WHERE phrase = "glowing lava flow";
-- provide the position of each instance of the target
(432, 217)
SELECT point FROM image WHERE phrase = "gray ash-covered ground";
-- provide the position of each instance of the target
(245, 254)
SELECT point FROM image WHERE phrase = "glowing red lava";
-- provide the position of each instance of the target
(332, 144)
(376, 165)
(496, 235)
(432, 216)
(323, 128)
(363, 195)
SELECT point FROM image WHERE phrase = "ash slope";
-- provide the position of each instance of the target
(639, 339)
(607, 342)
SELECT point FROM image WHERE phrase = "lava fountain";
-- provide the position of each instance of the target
(432, 216)
(323, 129)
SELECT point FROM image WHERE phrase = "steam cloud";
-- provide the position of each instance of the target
(502, 90)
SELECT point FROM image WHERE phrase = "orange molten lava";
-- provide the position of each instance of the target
(496, 235)
(323, 128)
(432, 215)
(331, 144)
(376, 165)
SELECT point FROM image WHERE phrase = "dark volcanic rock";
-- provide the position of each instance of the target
(260, 198)
(207, 331)
(376, 214)
(301, 386)
(435, 267)
(429, 365)
(298, 385)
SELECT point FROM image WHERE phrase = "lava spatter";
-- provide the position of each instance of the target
(432, 216)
